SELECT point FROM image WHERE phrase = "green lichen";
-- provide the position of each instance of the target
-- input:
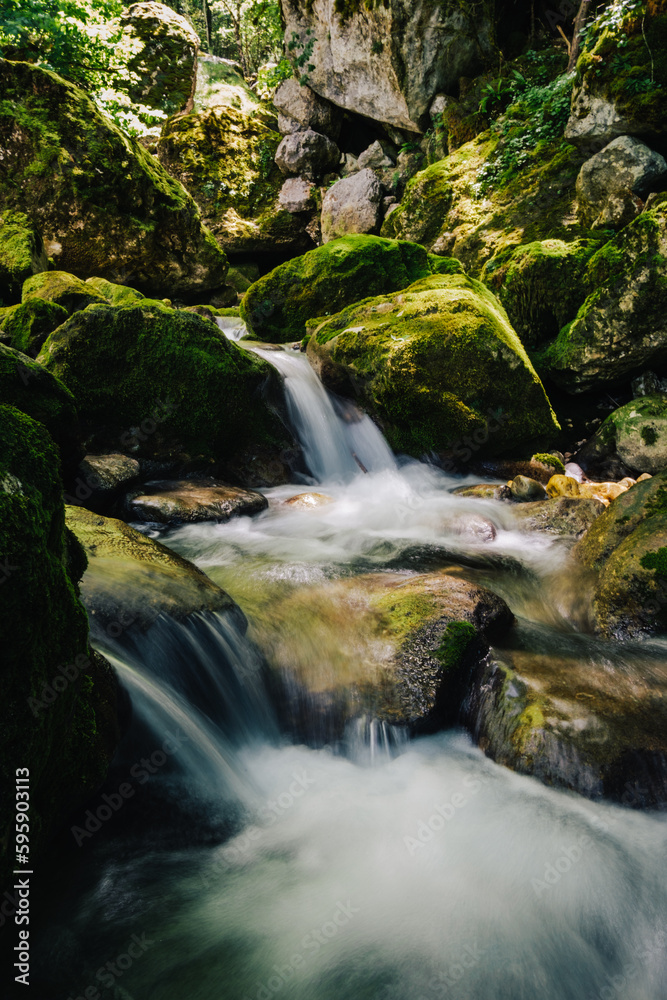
(323, 281)
(553, 461)
(649, 435)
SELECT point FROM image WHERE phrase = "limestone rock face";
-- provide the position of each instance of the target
(621, 329)
(226, 159)
(612, 184)
(102, 204)
(438, 365)
(387, 61)
(165, 47)
(307, 154)
(296, 102)
(352, 205)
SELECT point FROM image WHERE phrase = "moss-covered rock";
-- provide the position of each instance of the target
(324, 281)
(621, 328)
(626, 552)
(558, 707)
(24, 384)
(621, 80)
(220, 84)
(541, 285)
(102, 203)
(58, 716)
(440, 366)
(64, 289)
(115, 295)
(634, 435)
(21, 254)
(162, 70)
(449, 206)
(226, 159)
(131, 579)
(154, 381)
(28, 325)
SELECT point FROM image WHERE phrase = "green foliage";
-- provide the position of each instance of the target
(455, 641)
(247, 30)
(301, 53)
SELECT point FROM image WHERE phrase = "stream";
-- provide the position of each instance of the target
(247, 865)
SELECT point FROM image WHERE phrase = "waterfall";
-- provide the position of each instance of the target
(338, 440)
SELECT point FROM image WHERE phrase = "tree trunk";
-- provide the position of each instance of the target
(579, 22)
(207, 22)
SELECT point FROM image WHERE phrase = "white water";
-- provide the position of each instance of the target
(394, 872)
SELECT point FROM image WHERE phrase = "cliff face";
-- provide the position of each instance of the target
(388, 60)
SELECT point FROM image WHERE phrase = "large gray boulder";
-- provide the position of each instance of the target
(352, 205)
(296, 195)
(307, 154)
(300, 105)
(612, 184)
(387, 61)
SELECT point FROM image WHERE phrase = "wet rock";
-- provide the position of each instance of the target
(632, 439)
(611, 185)
(296, 195)
(395, 647)
(307, 154)
(556, 706)
(440, 368)
(191, 500)
(472, 527)
(524, 489)
(298, 103)
(101, 479)
(309, 501)
(566, 516)
(484, 491)
(113, 212)
(626, 552)
(131, 579)
(563, 486)
(163, 65)
(352, 205)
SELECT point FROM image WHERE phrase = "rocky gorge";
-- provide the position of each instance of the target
(334, 452)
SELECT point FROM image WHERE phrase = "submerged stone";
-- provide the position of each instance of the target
(192, 500)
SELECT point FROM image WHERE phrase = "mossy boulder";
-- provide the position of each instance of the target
(21, 254)
(162, 70)
(621, 80)
(325, 280)
(541, 285)
(440, 367)
(449, 208)
(24, 384)
(101, 202)
(64, 289)
(157, 382)
(226, 160)
(633, 437)
(114, 294)
(28, 325)
(131, 579)
(58, 716)
(220, 83)
(626, 552)
(557, 706)
(621, 328)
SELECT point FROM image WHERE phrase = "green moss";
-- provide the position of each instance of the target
(323, 281)
(104, 205)
(649, 435)
(29, 324)
(405, 613)
(64, 289)
(553, 461)
(529, 724)
(51, 735)
(656, 560)
(441, 368)
(21, 254)
(455, 641)
(115, 295)
(148, 365)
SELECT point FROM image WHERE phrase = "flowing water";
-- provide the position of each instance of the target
(246, 867)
